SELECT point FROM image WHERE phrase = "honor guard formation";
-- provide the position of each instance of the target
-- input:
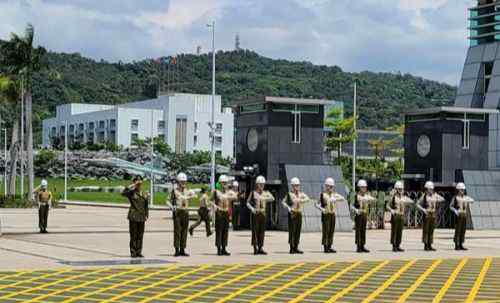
(224, 204)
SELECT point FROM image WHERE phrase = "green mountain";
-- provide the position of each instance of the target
(240, 74)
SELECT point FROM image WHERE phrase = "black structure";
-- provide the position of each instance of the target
(274, 137)
(273, 130)
(442, 142)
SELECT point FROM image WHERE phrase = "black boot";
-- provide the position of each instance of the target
(400, 249)
(183, 253)
(219, 251)
(298, 251)
(359, 250)
(431, 248)
(363, 249)
(326, 250)
(394, 248)
(255, 250)
(426, 247)
(261, 251)
(457, 247)
(225, 252)
(333, 251)
(462, 247)
(292, 250)
(177, 253)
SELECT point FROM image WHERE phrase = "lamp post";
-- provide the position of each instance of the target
(212, 124)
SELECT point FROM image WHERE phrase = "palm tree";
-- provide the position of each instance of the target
(10, 94)
(20, 58)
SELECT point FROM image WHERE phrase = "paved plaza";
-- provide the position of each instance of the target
(85, 258)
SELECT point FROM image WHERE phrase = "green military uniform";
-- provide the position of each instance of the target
(397, 207)
(235, 212)
(44, 198)
(222, 202)
(137, 215)
(295, 201)
(361, 202)
(180, 201)
(203, 216)
(328, 204)
(429, 204)
(257, 203)
(459, 205)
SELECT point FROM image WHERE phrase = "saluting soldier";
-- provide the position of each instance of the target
(257, 201)
(179, 203)
(428, 204)
(459, 206)
(44, 199)
(138, 214)
(203, 213)
(294, 203)
(222, 202)
(235, 206)
(328, 205)
(396, 207)
(360, 208)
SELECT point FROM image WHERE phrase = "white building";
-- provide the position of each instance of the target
(181, 120)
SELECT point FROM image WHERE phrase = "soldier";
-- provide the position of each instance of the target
(138, 214)
(396, 207)
(256, 202)
(203, 213)
(427, 204)
(222, 201)
(327, 205)
(360, 208)
(459, 206)
(179, 203)
(44, 198)
(294, 203)
(235, 207)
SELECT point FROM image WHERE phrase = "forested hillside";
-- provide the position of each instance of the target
(382, 96)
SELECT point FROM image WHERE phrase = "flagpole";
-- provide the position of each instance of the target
(152, 160)
(212, 125)
(66, 161)
(354, 139)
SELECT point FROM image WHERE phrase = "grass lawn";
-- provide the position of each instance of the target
(56, 186)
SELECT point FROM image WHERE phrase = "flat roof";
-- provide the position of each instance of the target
(451, 109)
(285, 100)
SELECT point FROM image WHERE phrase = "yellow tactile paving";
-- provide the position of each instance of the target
(442, 280)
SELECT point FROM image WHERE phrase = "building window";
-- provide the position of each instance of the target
(53, 131)
(218, 128)
(161, 125)
(180, 135)
(195, 127)
(91, 125)
(112, 123)
(134, 125)
(488, 70)
(297, 126)
(102, 124)
(81, 126)
(466, 135)
(195, 140)
(134, 138)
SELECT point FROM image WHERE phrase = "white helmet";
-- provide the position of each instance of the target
(44, 183)
(236, 184)
(295, 181)
(362, 183)
(260, 180)
(399, 185)
(461, 186)
(330, 182)
(223, 179)
(181, 177)
(429, 185)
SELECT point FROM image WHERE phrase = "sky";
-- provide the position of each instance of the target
(426, 38)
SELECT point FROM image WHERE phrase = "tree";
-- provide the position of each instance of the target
(10, 93)
(20, 58)
(342, 131)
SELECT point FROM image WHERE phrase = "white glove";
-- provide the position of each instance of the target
(356, 211)
(392, 211)
(289, 209)
(254, 211)
(323, 210)
(456, 212)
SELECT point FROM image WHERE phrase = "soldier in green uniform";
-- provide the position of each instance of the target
(257, 201)
(137, 215)
(328, 205)
(396, 207)
(428, 204)
(179, 203)
(222, 201)
(203, 214)
(235, 206)
(459, 206)
(294, 202)
(44, 198)
(360, 208)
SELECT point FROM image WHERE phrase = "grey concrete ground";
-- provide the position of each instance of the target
(80, 233)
